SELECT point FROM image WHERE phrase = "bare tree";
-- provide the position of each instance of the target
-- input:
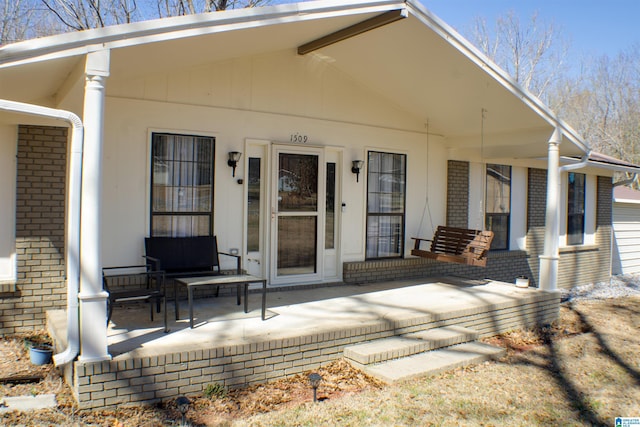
(601, 99)
(532, 53)
(85, 14)
(15, 20)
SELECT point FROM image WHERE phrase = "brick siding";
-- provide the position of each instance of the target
(457, 194)
(40, 227)
(578, 264)
(536, 212)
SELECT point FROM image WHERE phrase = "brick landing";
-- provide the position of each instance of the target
(304, 329)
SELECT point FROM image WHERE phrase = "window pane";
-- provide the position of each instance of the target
(182, 184)
(386, 174)
(499, 224)
(330, 209)
(253, 205)
(384, 236)
(575, 208)
(498, 204)
(498, 189)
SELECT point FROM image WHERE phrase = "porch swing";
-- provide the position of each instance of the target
(453, 244)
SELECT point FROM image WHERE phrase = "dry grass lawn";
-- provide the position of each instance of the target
(585, 370)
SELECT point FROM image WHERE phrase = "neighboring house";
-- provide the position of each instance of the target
(626, 231)
(302, 91)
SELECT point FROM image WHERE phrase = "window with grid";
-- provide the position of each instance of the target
(498, 204)
(181, 185)
(386, 173)
(575, 208)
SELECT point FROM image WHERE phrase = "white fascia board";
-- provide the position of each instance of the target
(117, 36)
(602, 165)
(492, 69)
(626, 201)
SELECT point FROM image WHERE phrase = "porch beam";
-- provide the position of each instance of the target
(93, 300)
(354, 30)
(550, 257)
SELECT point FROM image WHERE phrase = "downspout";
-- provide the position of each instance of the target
(582, 163)
(73, 218)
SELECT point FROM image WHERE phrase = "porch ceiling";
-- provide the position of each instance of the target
(418, 63)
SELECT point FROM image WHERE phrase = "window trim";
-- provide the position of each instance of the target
(403, 215)
(149, 175)
(584, 211)
(508, 214)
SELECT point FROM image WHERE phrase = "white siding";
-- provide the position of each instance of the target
(269, 98)
(626, 242)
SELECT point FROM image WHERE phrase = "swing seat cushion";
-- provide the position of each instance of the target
(458, 245)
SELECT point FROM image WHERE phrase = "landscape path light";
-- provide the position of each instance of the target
(314, 380)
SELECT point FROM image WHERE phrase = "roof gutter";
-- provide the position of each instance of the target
(73, 218)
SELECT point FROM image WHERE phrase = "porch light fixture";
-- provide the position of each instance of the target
(183, 406)
(356, 167)
(354, 30)
(314, 380)
(234, 156)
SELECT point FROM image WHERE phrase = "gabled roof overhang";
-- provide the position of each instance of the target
(418, 63)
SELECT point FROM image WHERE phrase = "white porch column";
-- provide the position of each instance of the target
(550, 258)
(93, 300)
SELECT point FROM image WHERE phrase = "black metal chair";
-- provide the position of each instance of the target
(149, 287)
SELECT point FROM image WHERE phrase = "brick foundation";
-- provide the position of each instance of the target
(154, 378)
(504, 266)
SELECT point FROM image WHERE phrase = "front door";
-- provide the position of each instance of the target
(297, 214)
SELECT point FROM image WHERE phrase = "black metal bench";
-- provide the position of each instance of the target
(186, 256)
(181, 257)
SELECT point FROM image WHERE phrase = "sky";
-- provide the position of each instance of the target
(592, 27)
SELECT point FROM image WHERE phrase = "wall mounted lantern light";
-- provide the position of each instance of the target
(234, 156)
(356, 166)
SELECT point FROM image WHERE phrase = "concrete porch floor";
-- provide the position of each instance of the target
(304, 328)
(220, 322)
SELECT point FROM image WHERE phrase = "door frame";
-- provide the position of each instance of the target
(264, 261)
(274, 278)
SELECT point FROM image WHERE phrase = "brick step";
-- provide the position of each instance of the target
(433, 362)
(390, 348)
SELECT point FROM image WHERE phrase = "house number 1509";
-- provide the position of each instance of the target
(296, 137)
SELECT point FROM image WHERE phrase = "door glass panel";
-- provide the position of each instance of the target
(297, 245)
(297, 183)
(253, 206)
(330, 210)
